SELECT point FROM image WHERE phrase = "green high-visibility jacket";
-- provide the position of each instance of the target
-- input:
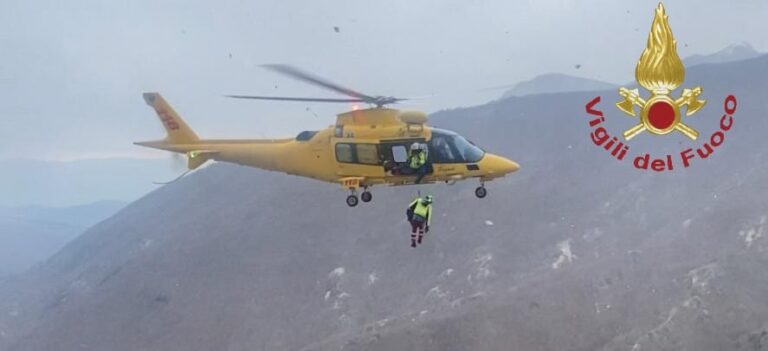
(418, 160)
(422, 209)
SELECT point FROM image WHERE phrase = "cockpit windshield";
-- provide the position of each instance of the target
(449, 147)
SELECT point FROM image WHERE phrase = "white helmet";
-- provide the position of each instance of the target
(415, 147)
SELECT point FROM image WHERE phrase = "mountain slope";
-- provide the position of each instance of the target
(576, 251)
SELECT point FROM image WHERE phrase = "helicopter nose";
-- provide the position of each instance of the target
(499, 165)
(512, 166)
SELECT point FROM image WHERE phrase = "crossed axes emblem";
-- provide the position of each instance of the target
(655, 115)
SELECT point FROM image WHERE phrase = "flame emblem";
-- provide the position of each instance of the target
(660, 71)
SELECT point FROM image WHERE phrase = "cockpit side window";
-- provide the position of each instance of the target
(441, 149)
(448, 147)
(469, 152)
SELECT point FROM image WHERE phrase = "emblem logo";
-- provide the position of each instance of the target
(660, 71)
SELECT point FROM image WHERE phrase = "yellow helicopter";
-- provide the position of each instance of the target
(364, 148)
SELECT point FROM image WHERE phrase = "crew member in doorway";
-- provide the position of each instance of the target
(417, 161)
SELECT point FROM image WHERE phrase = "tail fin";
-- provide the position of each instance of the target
(178, 131)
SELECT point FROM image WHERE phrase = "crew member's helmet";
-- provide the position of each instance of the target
(415, 147)
(428, 199)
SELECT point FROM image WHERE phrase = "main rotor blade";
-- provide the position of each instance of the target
(309, 78)
(282, 98)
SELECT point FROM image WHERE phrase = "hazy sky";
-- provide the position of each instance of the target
(72, 72)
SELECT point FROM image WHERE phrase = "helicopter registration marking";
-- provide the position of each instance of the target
(351, 182)
(167, 119)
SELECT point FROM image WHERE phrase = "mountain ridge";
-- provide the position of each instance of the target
(549, 83)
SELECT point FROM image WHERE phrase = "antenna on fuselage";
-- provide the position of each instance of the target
(175, 179)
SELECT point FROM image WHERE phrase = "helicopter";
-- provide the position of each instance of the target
(365, 148)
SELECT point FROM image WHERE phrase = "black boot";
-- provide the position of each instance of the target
(413, 242)
(420, 236)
